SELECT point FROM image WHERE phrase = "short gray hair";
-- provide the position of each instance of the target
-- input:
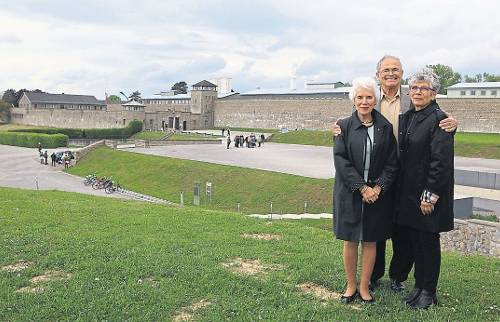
(426, 75)
(388, 57)
(366, 83)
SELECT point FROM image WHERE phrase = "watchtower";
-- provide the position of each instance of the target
(203, 96)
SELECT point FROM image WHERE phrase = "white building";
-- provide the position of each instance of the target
(474, 90)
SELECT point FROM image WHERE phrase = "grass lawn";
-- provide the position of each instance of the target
(164, 177)
(473, 145)
(306, 137)
(193, 137)
(149, 135)
(116, 260)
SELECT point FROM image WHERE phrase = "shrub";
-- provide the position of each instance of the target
(31, 140)
(71, 133)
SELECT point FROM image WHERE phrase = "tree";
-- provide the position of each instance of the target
(9, 96)
(135, 95)
(180, 87)
(4, 111)
(491, 77)
(447, 76)
(114, 99)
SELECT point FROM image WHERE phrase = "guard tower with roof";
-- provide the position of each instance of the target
(203, 97)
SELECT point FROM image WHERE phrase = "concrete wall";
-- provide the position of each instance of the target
(473, 237)
(474, 115)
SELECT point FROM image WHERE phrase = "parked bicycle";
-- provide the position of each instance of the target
(102, 183)
(90, 179)
(112, 187)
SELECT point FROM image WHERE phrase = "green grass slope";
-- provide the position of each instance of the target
(166, 177)
(141, 262)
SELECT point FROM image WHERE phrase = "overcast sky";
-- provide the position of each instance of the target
(93, 46)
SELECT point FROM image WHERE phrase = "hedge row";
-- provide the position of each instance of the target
(31, 140)
(118, 133)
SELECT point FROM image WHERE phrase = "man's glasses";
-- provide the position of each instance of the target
(390, 70)
(421, 88)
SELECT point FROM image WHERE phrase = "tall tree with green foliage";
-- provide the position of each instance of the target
(114, 99)
(180, 87)
(4, 112)
(447, 76)
(9, 96)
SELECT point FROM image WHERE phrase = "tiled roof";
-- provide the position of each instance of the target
(204, 83)
(36, 97)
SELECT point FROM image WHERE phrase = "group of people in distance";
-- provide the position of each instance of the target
(394, 179)
(250, 141)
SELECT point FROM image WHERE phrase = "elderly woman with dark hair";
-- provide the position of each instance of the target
(425, 185)
(365, 158)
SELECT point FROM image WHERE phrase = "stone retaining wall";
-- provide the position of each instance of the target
(473, 237)
(83, 151)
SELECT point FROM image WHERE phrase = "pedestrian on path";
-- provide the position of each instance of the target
(228, 141)
(45, 156)
(53, 158)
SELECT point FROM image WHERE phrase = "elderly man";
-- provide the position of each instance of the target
(394, 101)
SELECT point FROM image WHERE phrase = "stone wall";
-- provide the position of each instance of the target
(318, 114)
(473, 237)
(473, 115)
(83, 151)
(80, 119)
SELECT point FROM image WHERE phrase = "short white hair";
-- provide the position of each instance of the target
(366, 83)
(428, 76)
(381, 60)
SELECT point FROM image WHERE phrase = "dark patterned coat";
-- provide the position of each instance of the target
(353, 219)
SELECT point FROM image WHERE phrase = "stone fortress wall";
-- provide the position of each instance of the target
(473, 115)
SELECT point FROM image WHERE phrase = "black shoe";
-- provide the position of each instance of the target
(349, 299)
(363, 301)
(397, 286)
(373, 285)
(424, 300)
(412, 295)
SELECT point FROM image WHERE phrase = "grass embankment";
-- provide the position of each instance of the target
(305, 137)
(194, 137)
(122, 260)
(164, 177)
(477, 145)
(149, 135)
(472, 145)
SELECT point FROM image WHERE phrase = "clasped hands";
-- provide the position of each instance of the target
(370, 195)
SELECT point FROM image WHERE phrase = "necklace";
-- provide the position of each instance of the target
(367, 123)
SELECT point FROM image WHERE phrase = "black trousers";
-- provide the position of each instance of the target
(427, 251)
(402, 258)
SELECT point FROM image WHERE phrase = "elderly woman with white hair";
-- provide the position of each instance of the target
(365, 156)
(425, 184)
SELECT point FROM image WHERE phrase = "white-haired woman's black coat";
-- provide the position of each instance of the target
(353, 219)
(426, 156)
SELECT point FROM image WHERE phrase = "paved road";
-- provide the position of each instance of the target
(303, 160)
(21, 168)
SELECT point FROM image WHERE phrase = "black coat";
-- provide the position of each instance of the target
(354, 220)
(426, 162)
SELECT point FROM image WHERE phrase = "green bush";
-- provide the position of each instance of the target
(71, 133)
(31, 140)
(133, 127)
